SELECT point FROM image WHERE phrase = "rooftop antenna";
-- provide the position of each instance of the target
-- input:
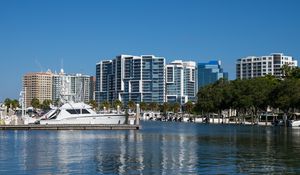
(39, 65)
(62, 66)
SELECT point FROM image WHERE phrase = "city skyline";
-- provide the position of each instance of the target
(37, 35)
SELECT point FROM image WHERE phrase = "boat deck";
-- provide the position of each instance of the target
(70, 127)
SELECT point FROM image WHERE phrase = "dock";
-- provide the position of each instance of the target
(70, 127)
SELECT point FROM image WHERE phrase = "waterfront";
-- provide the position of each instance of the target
(158, 148)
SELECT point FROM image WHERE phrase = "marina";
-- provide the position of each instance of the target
(70, 115)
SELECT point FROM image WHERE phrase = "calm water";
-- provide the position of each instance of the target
(159, 148)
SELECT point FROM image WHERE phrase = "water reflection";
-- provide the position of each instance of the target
(160, 148)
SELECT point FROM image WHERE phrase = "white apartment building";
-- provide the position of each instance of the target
(131, 78)
(73, 87)
(253, 66)
(181, 81)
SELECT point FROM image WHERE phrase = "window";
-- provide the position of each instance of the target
(77, 111)
(84, 111)
(54, 115)
(73, 111)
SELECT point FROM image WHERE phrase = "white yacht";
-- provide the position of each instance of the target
(80, 113)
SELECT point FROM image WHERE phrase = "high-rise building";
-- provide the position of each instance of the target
(181, 84)
(52, 86)
(252, 66)
(210, 72)
(104, 82)
(82, 87)
(92, 87)
(37, 85)
(75, 87)
(131, 78)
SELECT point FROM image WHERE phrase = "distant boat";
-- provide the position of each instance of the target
(80, 113)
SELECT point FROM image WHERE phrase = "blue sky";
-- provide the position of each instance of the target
(37, 35)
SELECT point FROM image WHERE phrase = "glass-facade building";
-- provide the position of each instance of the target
(210, 72)
(131, 78)
(104, 81)
(181, 85)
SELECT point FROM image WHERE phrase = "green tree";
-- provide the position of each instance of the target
(286, 71)
(15, 103)
(165, 107)
(188, 106)
(46, 104)
(131, 105)
(11, 104)
(260, 90)
(295, 72)
(153, 106)
(7, 102)
(93, 103)
(143, 106)
(117, 103)
(105, 105)
(176, 107)
(219, 96)
(35, 103)
(286, 95)
(205, 103)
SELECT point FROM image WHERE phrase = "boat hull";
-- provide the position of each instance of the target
(109, 120)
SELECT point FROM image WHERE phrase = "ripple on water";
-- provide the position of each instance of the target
(159, 148)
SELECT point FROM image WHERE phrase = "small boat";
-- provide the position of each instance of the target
(80, 113)
(294, 123)
(294, 120)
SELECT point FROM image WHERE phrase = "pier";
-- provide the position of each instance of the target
(70, 127)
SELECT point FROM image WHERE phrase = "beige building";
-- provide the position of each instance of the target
(37, 85)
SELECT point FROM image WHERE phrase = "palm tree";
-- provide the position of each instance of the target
(131, 105)
(143, 106)
(105, 105)
(165, 107)
(93, 103)
(117, 103)
(189, 106)
(153, 106)
(176, 107)
(35, 103)
(46, 104)
(15, 103)
(7, 102)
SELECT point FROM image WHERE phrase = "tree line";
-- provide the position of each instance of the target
(11, 103)
(131, 105)
(251, 97)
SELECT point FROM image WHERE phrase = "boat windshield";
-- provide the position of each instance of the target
(78, 111)
(54, 115)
